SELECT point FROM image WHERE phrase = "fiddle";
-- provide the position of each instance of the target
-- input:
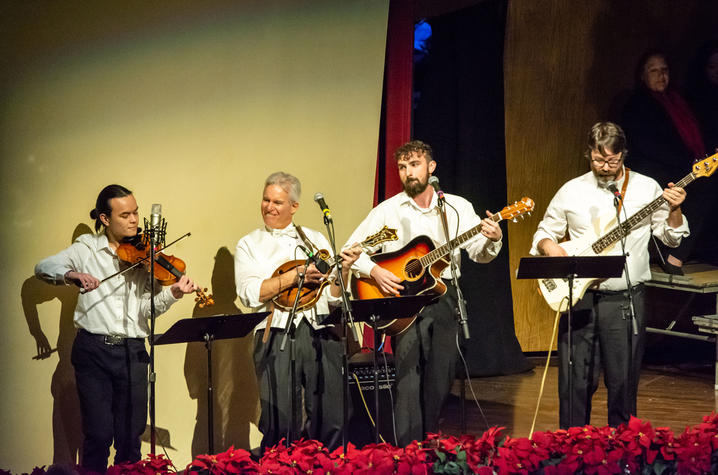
(167, 269)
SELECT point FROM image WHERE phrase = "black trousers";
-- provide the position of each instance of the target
(317, 371)
(425, 356)
(600, 329)
(112, 387)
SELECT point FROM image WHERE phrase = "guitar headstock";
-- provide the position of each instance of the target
(385, 234)
(519, 208)
(706, 167)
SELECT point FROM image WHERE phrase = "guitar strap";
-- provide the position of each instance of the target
(623, 190)
(306, 240)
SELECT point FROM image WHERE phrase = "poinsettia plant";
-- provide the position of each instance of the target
(635, 447)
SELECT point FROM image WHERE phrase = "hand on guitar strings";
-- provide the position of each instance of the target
(490, 228)
(386, 280)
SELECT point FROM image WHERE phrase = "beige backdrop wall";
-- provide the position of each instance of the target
(191, 105)
(567, 65)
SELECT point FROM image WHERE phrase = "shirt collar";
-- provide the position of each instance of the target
(103, 243)
(406, 200)
(289, 231)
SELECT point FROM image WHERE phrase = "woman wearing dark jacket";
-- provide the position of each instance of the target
(664, 139)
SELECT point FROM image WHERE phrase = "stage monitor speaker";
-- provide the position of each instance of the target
(361, 430)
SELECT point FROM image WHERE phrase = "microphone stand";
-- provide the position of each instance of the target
(289, 329)
(631, 323)
(153, 375)
(347, 321)
(461, 303)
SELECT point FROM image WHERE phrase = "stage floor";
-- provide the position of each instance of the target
(669, 396)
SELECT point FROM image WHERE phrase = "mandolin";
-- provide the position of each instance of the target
(311, 292)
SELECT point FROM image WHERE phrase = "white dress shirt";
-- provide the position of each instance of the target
(119, 306)
(403, 214)
(581, 202)
(259, 254)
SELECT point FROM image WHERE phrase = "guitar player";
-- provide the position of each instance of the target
(425, 353)
(317, 349)
(600, 322)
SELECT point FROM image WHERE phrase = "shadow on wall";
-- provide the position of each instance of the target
(236, 397)
(66, 419)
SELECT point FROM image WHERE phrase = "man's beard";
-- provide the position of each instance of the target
(415, 187)
(605, 178)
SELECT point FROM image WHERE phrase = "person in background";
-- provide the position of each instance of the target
(664, 138)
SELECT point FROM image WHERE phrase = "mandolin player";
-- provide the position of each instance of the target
(258, 257)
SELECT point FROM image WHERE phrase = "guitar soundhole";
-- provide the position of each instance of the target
(413, 269)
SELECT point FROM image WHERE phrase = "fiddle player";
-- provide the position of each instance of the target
(318, 350)
(108, 354)
(426, 353)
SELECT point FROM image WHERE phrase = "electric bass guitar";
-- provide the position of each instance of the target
(311, 292)
(555, 291)
(419, 265)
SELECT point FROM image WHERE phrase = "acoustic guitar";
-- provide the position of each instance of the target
(419, 265)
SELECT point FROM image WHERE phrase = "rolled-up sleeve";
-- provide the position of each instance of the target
(671, 237)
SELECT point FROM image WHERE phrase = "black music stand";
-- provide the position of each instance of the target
(374, 312)
(208, 329)
(570, 268)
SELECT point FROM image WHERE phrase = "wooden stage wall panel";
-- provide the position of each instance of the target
(565, 62)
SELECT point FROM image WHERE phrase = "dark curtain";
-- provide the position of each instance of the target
(459, 111)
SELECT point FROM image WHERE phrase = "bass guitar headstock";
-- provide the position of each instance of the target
(706, 167)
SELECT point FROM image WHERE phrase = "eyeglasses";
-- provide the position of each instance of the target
(612, 162)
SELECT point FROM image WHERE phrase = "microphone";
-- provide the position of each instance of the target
(156, 217)
(319, 198)
(611, 185)
(314, 258)
(434, 182)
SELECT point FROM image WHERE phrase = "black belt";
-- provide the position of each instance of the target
(635, 288)
(109, 339)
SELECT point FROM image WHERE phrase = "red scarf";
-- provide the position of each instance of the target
(684, 121)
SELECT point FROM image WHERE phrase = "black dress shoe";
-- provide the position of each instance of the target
(669, 268)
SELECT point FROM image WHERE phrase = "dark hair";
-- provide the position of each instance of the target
(102, 205)
(606, 135)
(642, 64)
(415, 146)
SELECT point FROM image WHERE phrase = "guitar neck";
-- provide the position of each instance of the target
(442, 251)
(615, 234)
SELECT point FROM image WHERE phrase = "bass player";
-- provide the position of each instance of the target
(600, 320)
